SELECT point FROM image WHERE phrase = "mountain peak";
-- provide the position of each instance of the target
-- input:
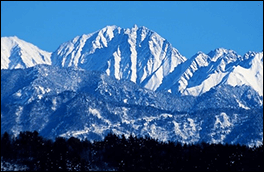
(16, 53)
(135, 27)
(135, 54)
(201, 59)
(109, 27)
(10, 37)
(217, 53)
(12, 40)
(227, 55)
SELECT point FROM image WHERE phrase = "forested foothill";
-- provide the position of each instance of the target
(32, 152)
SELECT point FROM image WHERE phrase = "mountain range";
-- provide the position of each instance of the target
(131, 81)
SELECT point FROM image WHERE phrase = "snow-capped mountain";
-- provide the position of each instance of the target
(16, 53)
(137, 54)
(142, 56)
(131, 81)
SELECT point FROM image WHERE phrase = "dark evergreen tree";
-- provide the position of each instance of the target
(60, 154)
(132, 154)
(6, 146)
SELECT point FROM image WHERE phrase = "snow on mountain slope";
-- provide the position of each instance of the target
(137, 54)
(89, 104)
(35, 83)
(143, 57)
(16, 53)
(251, 75)
(178, 80)
(202, 72)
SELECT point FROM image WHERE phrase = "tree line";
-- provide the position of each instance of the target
(118, 153)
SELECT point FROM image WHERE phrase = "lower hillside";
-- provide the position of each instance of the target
(31, 152)
(71, 102)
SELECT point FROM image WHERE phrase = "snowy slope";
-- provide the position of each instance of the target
(137, 54)
(89, 104)
(211, 72)
(16, 53)
(203, 72)
(248, 72)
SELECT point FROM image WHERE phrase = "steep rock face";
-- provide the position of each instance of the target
(16, 53)
(137, 54)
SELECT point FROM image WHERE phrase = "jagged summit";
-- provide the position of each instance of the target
(203, 72)
(226, 54)
(137, 54)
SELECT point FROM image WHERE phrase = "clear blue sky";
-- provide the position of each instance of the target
(189, 26)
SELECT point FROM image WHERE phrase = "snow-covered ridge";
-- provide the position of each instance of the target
(142, 56)
(16, 53)
(205, 71)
